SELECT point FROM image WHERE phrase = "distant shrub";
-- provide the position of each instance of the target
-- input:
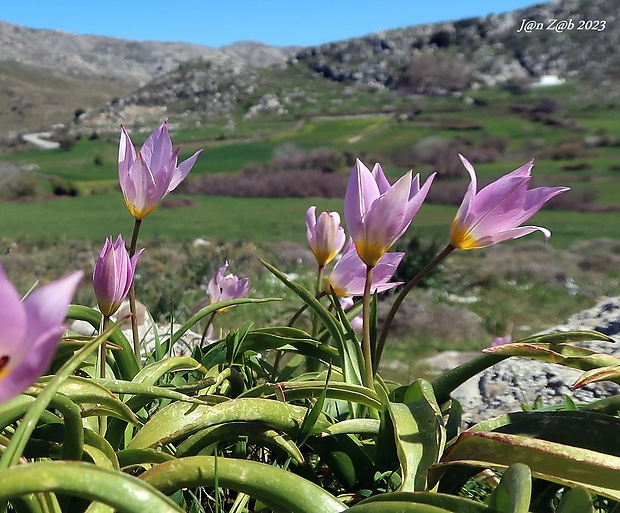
(582, 201)
(433, 74)
(441, 39)
(580, 166)
(289, 157)
(67, 143)
(270, 184)
(568, 148)
(441, 154)
(24, 186)
(63, 187)
(176, 202)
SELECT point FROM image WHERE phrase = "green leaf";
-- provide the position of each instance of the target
(121, 491)
(147, 391)
(419, 502)
(180, 420)
(449, 381)
(552, 461)
(294, 390)
(595, 375)
(585, 429)
(354, 426)
(233, 342)
(345, 457)
(514, 491)
(251, 431)
(89, 391)
(292, 493)
(418, 432)
(576, 500)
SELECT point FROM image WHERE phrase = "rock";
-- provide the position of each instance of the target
(507, 385)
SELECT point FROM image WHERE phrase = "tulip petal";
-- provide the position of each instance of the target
(126, 156)
(183, 170)
(382, 182)
(32, 366)
(511, 234)
(157, 149)
(362, 191)
(386, 220)
(46, 307)
(12, 319)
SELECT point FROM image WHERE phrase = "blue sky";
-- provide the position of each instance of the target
(218, 23)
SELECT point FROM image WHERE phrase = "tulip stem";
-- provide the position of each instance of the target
(103, 352)
(204, 333)
(313, 365)
(132, 292)
(401, 296)
(366, 349)
(319, 282)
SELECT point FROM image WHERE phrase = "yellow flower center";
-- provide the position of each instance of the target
(323, 257)
(337, 290)
(139, 214)
(4, 362)
(462, 239)
(370, 253)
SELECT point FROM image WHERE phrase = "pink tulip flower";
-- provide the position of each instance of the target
(223, 287)
(30, 331)
(378, 213)
(113, 275)
(146, 178)
(349, 274)
(495, 213)
(325, 235)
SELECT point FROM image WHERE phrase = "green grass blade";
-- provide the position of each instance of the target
(125, 359)
(349, 351)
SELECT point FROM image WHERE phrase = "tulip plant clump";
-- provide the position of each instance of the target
(294, 417)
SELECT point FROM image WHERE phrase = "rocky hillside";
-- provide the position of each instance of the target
(47, 76)
(130, 61)
(576, 39)
(428, 59)
(489, 50)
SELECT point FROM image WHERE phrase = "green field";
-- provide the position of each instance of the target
(575, 144)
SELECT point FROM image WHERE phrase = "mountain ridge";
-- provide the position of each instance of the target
(245, 78)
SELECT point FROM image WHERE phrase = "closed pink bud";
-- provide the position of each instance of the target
(113, 275)
(325, 235)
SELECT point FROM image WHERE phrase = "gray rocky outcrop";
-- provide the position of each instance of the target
(507, 385)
